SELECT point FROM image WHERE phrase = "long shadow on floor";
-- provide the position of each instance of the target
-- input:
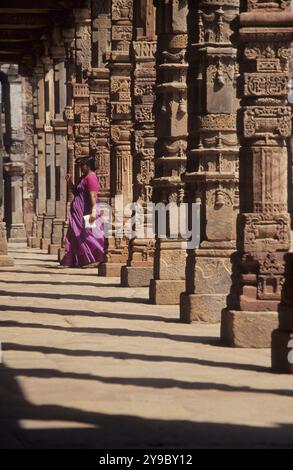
(85, 297)
(81, 429)
(124, 332)
(86, 313)
(63, 283)
(119, 355)
(147, 382)
(50, 273)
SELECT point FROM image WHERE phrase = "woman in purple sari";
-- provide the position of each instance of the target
(84, 246)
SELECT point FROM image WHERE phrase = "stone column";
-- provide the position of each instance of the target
(69, 43)
(264, 223)
(15, 170)
(39, 121)
(172, 131)
(5, 260)
(99, 83)
(29, 181)
(139, 269)
(80, 89)
(60, 132)
(213, 164)
(121, 128)
(50, 187)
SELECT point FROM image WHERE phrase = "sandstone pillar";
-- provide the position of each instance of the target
(80, 88)
(29, 181)
(40, 170)
(212, 175)
(171, 131)
(5, 260)
(15, 170)
(60, 133)
(139, 269)
(99, 82)
(121, 128)
(69, 43)
(50, 187)
(264, 224)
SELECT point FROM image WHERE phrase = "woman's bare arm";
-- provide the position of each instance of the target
(93, 215)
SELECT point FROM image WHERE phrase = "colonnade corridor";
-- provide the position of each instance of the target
(88, 364)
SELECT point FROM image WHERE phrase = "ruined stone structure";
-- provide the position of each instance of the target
(177, 101)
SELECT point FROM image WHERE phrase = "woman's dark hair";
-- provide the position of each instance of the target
(91, 163)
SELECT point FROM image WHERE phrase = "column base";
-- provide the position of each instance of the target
(61, 254)
(18, 240)
(110, 269)
(282, 362)
(166, 292)
(248, 329)
(17, 234)
(6, 261)
(136, 276)
(44, 244)
(53, 249)
(34, 242)
(202, 307)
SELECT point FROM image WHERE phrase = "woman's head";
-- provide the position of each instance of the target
(87, 165)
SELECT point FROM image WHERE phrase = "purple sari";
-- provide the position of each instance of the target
(84, 246)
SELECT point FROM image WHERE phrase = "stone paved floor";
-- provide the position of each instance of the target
(88, 364)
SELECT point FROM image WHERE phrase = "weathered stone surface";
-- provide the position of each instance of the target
(248, 329)
(166, 292)
(202, 307)
(210, 275)
(136, 276)
(171, 263)
(110, 269)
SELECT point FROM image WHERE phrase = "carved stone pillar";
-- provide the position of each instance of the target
(121, 127)
(69, 43)
(80, 88)
(50, 187)
(60, 133)
(212, 175)
(264, 224)
(15, 170)
(172, 131)
(139, 269)
(100, 95)
(5, 260)
(40, 170)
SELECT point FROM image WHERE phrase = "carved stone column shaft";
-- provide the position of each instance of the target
(212, 174)
(264, 224)
(172, 132)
